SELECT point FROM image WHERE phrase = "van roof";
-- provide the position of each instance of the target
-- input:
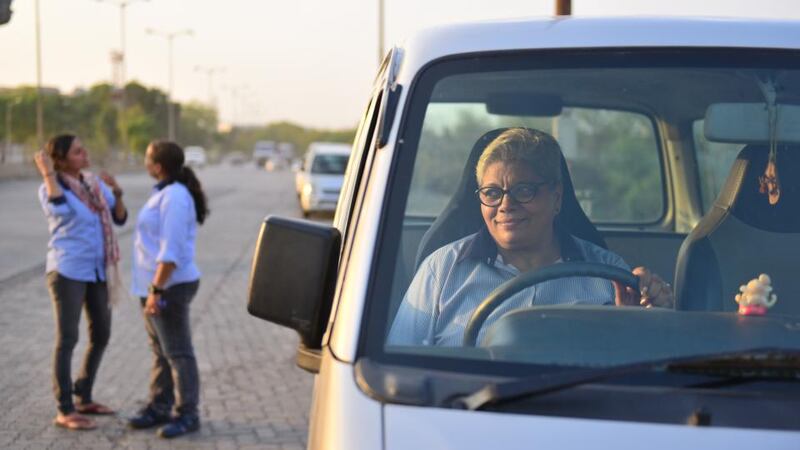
(595, 32)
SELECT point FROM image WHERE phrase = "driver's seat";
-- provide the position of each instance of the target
(462, 216)
(743, 236)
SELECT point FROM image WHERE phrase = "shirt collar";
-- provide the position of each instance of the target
(481, 247)
(162, 184)
(63, 183)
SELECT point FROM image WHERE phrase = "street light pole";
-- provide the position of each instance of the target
(380, 30)
(238, 92)
(39, 109)
(563, 7)
(170, 36)
(121, 75)
(210, 71)
(123, 5)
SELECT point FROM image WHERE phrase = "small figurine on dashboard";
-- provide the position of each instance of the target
(756, 296)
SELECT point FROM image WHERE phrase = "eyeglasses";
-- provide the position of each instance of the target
(521, 193)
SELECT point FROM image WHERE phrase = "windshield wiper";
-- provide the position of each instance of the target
(749, 362)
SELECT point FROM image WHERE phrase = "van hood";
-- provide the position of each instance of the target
(412, 428)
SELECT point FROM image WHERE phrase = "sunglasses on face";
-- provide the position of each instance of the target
(521, 193)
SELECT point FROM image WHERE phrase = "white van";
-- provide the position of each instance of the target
(320, 179)
(681, 153)
(263, 151)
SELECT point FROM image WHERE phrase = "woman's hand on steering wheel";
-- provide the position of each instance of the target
(653, 291)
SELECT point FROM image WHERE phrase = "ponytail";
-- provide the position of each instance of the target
(187, 177)
(170, 156)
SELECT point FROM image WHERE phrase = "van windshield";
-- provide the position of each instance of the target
(678, 167)
(329, 164)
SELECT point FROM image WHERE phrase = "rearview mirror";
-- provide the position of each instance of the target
(748, 123)
(523, 105)
(293, 277)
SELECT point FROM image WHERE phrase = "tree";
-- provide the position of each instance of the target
(198, 125)
(140, 129)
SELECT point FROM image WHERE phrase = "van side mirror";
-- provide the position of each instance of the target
(5, 11)
(293, 278)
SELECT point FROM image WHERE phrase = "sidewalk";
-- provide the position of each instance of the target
(252, 394)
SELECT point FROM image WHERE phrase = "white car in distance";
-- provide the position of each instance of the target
(320, 179)
(194, 156)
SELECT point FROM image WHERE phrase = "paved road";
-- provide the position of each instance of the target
(253, 396)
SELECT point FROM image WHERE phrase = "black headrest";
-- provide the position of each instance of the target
(462, 215)
(741, 191)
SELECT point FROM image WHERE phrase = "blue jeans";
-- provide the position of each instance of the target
(69, 297)
(174, 378)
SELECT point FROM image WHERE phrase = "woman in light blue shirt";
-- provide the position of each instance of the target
(519, 194)
(166, 279)
(81, 268)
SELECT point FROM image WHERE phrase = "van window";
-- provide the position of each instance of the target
(443, 248)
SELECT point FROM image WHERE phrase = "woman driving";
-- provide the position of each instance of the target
(519, 191)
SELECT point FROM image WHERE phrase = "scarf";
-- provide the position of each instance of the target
(87, 189)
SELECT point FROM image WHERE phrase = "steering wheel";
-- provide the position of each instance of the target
(518, 283)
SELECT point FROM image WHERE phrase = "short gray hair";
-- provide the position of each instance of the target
(537, 149)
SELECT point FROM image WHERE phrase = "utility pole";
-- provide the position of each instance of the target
(210, 71)
(380, 30)
(563, 7)
(119, 62)
(170, 36)
(123, 5)
(39, 109)
(237, 93)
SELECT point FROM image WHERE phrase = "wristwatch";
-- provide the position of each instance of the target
(153, 289)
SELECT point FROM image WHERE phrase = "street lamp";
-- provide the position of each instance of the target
(563, 7)
(39, 109)
(237, 93)
(210, 71)
(169, 36)
(119, 61)
(381, 22)
(122, 4)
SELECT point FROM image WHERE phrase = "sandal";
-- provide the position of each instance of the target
(94, 408)
(74, 421)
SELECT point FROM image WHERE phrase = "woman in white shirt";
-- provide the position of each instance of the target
(166, 278)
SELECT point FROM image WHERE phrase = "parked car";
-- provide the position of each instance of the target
(681, 153)
(319, 182)
(194, 156)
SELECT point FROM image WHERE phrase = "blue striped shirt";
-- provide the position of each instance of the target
(166, 229)
(454, 280)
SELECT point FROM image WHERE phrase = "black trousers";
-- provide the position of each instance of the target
(174, 378)
(69, 297)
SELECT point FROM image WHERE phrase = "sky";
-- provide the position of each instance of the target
(311, 62)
